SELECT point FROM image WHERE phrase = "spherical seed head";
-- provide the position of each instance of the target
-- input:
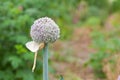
(44, 30)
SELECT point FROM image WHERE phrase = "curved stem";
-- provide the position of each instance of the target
(34, 64)
(45, 62)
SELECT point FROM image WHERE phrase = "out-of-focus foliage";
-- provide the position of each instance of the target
(116, 5)
(100, 4)
(107, 43)
(16, 17)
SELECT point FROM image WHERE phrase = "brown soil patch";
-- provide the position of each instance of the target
(74, 59)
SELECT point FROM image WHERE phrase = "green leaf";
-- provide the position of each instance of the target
(61, 77)
(25, 75)
(15, 61)
(20, 48)
(28, 56)
(19, 39)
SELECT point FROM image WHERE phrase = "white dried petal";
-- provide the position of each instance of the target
(32, 46)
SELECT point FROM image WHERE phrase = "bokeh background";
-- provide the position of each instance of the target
(88, 49)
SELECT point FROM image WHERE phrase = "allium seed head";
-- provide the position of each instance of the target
(44, 30)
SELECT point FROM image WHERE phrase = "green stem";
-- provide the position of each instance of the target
(45, 62)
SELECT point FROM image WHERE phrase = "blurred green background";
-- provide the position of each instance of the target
(89, 47)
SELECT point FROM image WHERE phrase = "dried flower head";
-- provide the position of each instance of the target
(44, 30)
